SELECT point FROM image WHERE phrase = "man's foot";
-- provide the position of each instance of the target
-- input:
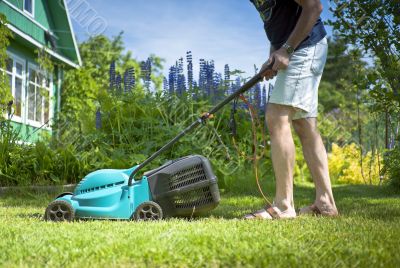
(323, 210)
(270, 213)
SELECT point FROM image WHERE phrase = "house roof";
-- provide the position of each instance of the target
(65, 31)
(52, 20)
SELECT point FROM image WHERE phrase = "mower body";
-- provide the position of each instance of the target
(104, 194)
(182, 187)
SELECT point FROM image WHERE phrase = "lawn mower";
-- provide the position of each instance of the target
(183, 187)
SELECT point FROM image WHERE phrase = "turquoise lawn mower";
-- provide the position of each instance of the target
(183, 187)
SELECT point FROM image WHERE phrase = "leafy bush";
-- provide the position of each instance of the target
(133, 126)
(392, 167)
(8, 149)
(345, 166)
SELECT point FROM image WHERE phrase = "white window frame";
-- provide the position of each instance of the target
(34, 123)
(15, 59)
(33, 9)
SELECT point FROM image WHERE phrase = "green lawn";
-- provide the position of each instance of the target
(366, 235)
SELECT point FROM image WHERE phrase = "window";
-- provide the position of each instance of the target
(29, 7)
(32, 92)
(38, 97)
(9, 72)
(15, 70)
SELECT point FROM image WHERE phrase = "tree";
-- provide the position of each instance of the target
(97, 53)
(334, 92)
(105, 65)
(374, 27)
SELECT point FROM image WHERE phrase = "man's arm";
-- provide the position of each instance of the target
(311, 10)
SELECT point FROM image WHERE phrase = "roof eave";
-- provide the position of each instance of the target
(40, 46)
(73, 34)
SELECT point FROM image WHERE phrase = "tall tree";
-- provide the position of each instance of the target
(374, 27)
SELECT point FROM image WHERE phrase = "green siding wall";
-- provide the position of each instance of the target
(51, 15)
(22, 51)
(41, 11)
(23, 23)
(42, 14)
(30, 134)
(17, 3)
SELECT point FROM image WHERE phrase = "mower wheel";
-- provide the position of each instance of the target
(59, 210)
(148, 211)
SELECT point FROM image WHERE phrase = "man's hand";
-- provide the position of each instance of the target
(280, 60)
(266, 72)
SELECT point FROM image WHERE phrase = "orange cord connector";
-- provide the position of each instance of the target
(255, 158)
(207, 116)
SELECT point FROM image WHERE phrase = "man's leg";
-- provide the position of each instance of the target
(317, 161)
(279, 119)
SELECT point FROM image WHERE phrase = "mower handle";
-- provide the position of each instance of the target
(248, 85)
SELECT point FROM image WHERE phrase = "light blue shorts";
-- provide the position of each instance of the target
(297, 86)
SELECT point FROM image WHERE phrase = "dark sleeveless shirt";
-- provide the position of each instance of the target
(280, 17)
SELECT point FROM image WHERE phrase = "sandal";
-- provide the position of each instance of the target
(270, 213)
(314, 210)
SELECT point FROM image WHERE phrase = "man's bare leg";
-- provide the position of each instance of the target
(317, 161)
(279, 119)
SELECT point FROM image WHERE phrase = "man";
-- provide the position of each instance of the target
(298, 53)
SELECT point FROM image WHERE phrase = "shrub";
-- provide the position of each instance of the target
(392, 167)
(345, 166)
(134, 125)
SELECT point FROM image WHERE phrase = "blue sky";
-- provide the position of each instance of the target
(227, 31)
